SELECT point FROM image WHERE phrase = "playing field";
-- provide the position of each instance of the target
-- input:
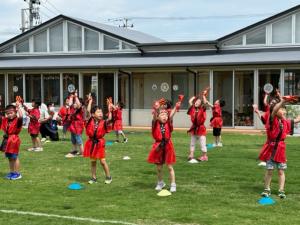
(224, 190)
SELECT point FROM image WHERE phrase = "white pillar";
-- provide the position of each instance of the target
(6, 88)
(281, 87)
(42, 88)
(61, 87)
(255, 90)
(116, 86)
(80, 85)
(24, 87)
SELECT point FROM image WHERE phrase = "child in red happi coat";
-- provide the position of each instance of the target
(273, 151)
(64, 117)
(94, 147)
(11, 124)
(117, 121)
(197, 112)
(76, 125)
(162, 151)
(34, 125)
(216, 121)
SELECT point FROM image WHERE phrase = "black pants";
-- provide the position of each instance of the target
(46, 130)
(216, 131)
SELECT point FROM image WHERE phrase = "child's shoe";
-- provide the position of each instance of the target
(203, 158)
(125, 140)
(281, 194)
(30, 149)
(173, 187)
(47, 141)
(43, 139)
(220, 144)
(160, 185)
(266, 193)
(108, 180)
(8, 176)
(38, 149)
(16, 176)
(92, 180)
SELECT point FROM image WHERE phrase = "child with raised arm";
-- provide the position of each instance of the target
(163, 151)
(11, 124)
(34, 125)
(94, 147)
(76, 125)
(64, 117)
(273, 151)
(197, 112)
(117, 121)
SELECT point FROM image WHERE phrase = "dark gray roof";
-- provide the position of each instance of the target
(250, 58)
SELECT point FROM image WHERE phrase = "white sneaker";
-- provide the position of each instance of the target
(262, 163)
(220, 144)
(160, 185)
(173, 187)
(193, 161)
(70, 155)
(38, 149)
(47, 141)
(30, 149)
(43, 139)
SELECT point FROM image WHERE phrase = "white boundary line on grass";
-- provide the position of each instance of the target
(64, 217)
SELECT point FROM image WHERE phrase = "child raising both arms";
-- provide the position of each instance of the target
(163, 151)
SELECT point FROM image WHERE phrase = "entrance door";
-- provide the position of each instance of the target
(106, 89)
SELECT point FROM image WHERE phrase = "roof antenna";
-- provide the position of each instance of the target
(30, 16)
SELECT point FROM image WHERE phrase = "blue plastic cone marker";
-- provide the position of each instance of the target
(109, 143)
(75, 186)
(266, 201)
(209, 146)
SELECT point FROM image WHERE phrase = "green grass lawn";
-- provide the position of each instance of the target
(224, 190)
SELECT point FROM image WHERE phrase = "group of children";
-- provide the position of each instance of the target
(76, 115)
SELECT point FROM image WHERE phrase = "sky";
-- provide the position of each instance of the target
(171, 20)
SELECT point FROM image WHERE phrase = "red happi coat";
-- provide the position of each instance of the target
(198, 117)
(64, 113)
(34, 124)
(264, 118)
(162, 149)
(217, 121)
(94, 147)
(77, 120)
(274, 148)
(117, 117)
(11, 141)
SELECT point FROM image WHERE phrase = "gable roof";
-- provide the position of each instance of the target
(288, 11)
(131, 36)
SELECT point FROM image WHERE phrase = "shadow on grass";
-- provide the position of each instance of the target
(83, 179)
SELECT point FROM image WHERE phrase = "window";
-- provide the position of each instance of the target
(91, 40)
(282, 31)
(105, 88)
(234, 41)
(181, 85)
(51, 88)
(56, 38)
(10, 49)
(110, 43)
(40, 42)
(297, 29)
(222, 88)
(23, 46)
(33, 87)
(15, 85)
(69, 79)
(2, 92)
(256, 37)
(74, 37)
(202, 81)
(90, 84)
(127, 46)
(292, 82)
(267, 76)
(243, 98)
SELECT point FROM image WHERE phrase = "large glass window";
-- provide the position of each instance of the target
(222, 89)
(282, 31)
(202, 81)
(234, 41)
(69, 80)
(51, 88)
(91, 40)
(90, 84)
(10, 49)
(74, 37)
(256, 37)
(15, 86)
(2, 93)
(40, 42)
(182, 85)
(297, 29)
(243, 98)
(105, 88)
(291, 82)
(33, 87)
(110, 43)
(148, 87)
(56, 38)
(127, 46)
(23, 46)
(267, 76)
(123, 89)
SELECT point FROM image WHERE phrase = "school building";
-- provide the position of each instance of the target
(137, 68)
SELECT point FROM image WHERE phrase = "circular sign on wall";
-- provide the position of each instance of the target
(154, 87)
(15, 88)
(164, 87)
(71, 88)
(175, 87)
